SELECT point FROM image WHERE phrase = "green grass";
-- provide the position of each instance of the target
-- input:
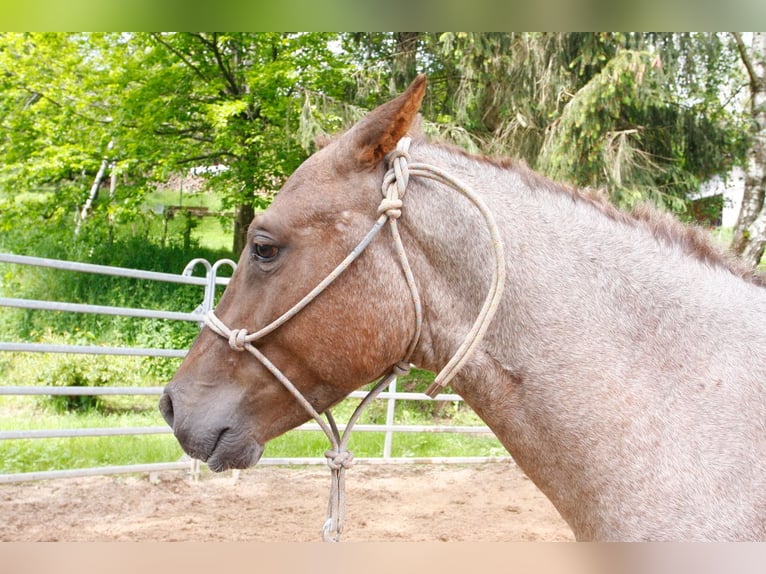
(370, 444)
(214, 233)
(159, 198)
(32, 455)
(211, 231)
(40, 412)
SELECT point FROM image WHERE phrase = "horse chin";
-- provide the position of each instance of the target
(229, 456)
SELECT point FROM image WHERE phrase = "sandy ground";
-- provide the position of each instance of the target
(489, 502)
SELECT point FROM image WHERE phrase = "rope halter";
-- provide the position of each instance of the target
(394, 187)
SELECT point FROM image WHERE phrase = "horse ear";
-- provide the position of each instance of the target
(379, 131)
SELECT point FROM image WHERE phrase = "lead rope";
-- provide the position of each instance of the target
(394, 186)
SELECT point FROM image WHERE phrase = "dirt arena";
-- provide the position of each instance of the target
(489, 502)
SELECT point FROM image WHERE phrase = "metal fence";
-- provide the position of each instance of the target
(208, 284)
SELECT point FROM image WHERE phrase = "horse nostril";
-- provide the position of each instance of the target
(166, 408)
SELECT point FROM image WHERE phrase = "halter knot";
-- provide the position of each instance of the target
(400, 159)
(338, 459)
(400, 152)
(237, 339)
(395, 181)
(392, 207)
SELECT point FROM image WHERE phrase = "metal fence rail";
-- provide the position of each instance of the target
(209, 283)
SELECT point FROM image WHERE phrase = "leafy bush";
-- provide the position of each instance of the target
(76, 372)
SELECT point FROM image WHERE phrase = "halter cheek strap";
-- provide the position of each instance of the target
(394, 188)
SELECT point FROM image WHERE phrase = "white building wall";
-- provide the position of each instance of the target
(732, 187)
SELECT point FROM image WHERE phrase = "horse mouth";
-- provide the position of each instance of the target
(231, 452)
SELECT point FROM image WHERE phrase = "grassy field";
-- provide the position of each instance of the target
(31, 455)
(209, 231)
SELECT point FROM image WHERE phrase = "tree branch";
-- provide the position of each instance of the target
(206, 156)
(190, 133)
(745, 57)
(36, 95)
(157, 38)
(226, 72)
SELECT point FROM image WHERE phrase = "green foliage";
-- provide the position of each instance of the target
(645, 116)
(603, 107)
(76, 372)
(249, 91)
(31, 455)
(130, 244)
(155, 105)
(65, 453)
(632, 139)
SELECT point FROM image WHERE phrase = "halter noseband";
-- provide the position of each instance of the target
(394, 187)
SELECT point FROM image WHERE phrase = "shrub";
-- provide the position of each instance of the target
(79, 371)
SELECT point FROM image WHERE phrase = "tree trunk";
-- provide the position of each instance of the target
(112, 189)
(93, 190)
(750, 231)
(243, 215)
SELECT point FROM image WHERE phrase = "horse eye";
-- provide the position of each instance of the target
(265, 252)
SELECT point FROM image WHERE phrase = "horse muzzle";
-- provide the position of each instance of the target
(211, 433)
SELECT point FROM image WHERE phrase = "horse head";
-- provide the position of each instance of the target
(224, 405)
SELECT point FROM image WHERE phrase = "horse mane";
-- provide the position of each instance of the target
(664, 227)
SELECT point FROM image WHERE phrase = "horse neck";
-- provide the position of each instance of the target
(600, 323)
(559, 249)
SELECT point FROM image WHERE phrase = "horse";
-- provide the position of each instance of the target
(619, 360)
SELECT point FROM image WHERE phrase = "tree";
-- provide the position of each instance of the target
(234, 100)
(169, 102)
(750, 230)
(639, 115)
(57, 121)
(54, 113)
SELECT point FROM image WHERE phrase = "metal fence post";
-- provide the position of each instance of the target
(208, 302)
(390, 409)
(194, 469)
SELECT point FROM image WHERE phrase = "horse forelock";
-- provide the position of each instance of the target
(692, 240)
